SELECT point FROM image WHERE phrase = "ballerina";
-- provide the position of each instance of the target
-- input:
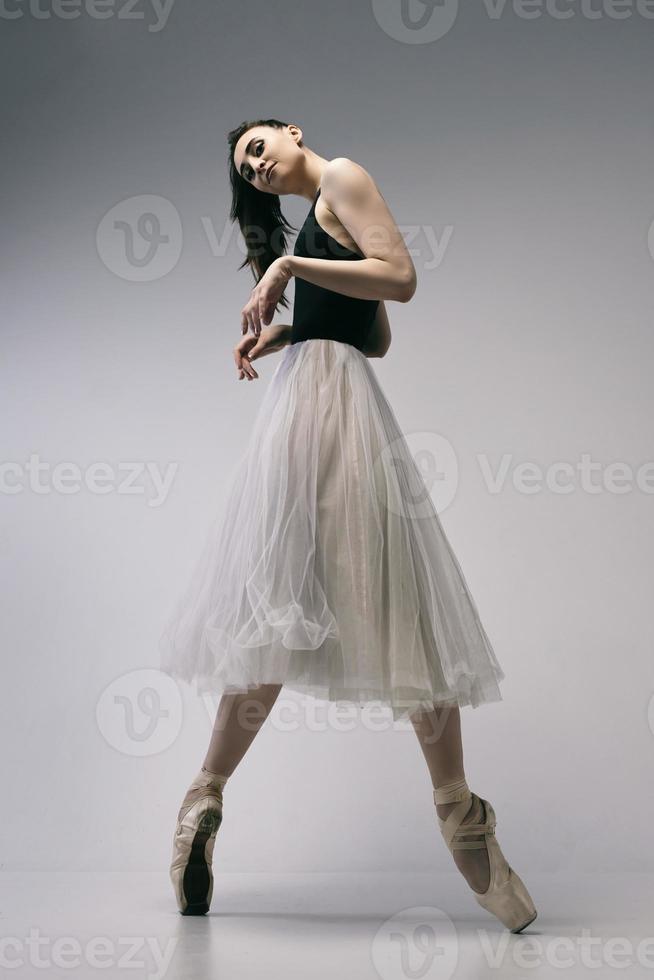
(328, 569)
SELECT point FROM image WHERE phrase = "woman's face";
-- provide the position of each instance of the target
(265, 156)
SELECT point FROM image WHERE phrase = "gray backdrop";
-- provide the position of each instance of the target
(513, 145)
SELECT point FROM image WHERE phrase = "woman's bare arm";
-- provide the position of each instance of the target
(379, 338)
(387, 271)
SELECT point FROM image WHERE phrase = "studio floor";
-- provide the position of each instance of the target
(317, 926)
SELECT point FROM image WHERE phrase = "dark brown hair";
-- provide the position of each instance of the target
(259, 215)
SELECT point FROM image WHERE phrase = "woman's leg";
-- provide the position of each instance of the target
(238, 719)
(439, 734)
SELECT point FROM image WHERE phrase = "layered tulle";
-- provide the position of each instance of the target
(328, 569)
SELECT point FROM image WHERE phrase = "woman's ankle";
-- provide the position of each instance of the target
(213, 772)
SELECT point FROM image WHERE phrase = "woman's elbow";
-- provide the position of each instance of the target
(407, 286)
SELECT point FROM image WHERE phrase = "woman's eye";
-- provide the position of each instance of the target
(258, 151)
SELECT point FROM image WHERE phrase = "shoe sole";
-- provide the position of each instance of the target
(524, 926)
(197, 875)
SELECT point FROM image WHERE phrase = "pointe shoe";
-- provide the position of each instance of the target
(199, 818)
(506, 896)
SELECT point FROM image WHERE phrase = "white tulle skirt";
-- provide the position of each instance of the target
(328, 569)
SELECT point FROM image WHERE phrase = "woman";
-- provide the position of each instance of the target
(329, 570)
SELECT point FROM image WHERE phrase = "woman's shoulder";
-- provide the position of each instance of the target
(342, 173)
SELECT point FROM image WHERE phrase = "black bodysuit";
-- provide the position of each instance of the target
(320, 312)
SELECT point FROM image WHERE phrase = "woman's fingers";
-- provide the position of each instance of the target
(250, 321)
(254, 373)
(264, 309)
(252, 310)
(242, 359)
(247, 320)
(258, 311)
(256, 319)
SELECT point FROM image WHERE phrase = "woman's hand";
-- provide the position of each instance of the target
(270, 339)
(260, 308)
